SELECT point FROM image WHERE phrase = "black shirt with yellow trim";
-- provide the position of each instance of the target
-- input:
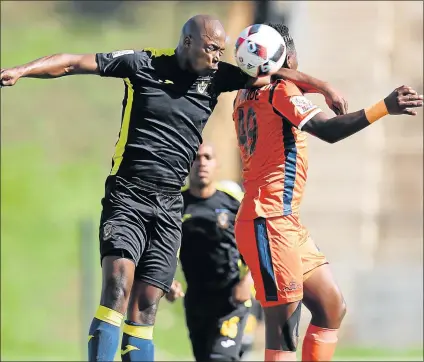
(163, 112)
(209, 256)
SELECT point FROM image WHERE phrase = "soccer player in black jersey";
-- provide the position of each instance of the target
(218, 296)
(169, 96)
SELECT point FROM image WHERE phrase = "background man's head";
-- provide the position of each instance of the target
(202, 172)
(203, 43)
(291, 57)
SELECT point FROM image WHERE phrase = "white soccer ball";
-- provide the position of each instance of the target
(260, 50)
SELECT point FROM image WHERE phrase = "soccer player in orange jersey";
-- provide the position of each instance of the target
(286, 265)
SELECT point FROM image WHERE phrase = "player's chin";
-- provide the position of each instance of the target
(204, 181)
(207, 71)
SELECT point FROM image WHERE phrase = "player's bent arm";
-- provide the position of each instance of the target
(332, 130)
(59, 65)
(230, 78)
(307, 84)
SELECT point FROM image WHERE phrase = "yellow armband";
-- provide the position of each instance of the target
(377, 111)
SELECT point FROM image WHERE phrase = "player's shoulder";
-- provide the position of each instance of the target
(286, 88)
(158, 52)
(230, 190)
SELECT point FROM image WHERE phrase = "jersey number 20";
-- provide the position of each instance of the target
(247, 130)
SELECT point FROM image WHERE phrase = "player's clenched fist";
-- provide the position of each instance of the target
(9, 76)
(402, 100)
(175, 292)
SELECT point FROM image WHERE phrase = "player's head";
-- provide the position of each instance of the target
(203, 170)
(291, 57)
(202, 43)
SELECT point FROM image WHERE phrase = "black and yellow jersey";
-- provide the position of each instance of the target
(164, 112)
(209, 256)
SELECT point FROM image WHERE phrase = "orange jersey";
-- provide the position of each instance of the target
(273, 148)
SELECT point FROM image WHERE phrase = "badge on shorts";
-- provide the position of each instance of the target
(107, 231)
(222, 218)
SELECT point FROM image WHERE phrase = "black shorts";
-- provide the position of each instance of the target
(215, 327)
(142, 222)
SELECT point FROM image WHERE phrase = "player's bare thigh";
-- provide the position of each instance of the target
(321, 294)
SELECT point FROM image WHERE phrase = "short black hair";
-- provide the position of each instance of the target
(284, 32)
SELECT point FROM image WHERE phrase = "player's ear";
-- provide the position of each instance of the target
(292, 61)
(289, 61)
(187, 41)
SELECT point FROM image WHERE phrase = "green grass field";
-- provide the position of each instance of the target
(52, 177)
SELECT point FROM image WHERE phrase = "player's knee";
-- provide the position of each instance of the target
(147, 311)
(336, 311)
(290, 332)
(144, 303)
(118, 274)
(331, 311)
(116, 291)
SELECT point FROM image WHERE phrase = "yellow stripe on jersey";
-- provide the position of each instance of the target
(158, 52)
(123, 134)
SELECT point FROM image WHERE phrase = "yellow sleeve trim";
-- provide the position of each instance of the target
(158, 52)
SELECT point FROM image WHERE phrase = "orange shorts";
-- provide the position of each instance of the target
(280, 255)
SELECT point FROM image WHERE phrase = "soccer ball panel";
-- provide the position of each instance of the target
(260, 50)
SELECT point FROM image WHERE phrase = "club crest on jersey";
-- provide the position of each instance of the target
(202, 86)
(222, 218)
(302, 104)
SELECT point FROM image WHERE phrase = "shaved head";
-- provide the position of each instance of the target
(203, 26)
(202, 43)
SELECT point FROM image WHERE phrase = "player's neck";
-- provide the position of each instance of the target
(181, 60)
(203, 192)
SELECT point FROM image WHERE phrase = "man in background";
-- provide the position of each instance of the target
(218, 297)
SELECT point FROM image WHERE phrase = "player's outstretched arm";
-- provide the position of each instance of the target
(52, 66)
(402, 100)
